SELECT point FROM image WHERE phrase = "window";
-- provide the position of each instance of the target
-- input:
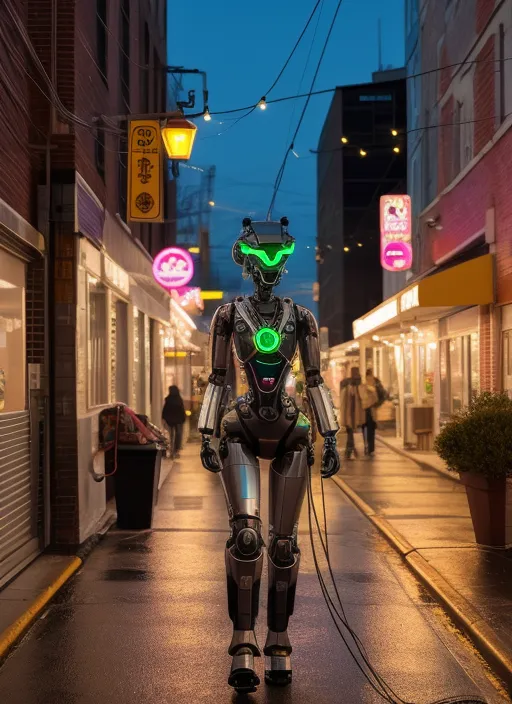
(124, 49)
(139, 361)
(101, 38)
(460, 372)
(12, 334)
(99, 151)
(119, 350)
(97, 343)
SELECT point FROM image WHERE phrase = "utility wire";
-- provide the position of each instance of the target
(251, 109)
(282, 168)
(334, 88)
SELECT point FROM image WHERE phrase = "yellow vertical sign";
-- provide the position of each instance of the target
(145, 172)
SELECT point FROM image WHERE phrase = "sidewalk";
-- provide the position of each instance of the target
(425, 516)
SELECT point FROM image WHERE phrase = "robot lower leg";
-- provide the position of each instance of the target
(244, 560)
(288, 476)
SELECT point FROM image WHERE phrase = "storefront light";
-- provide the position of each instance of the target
(375, 338)
(410, 341)
(378, 317)
(432, 345)
(414, 328)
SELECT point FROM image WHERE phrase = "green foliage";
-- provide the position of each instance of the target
(479, 438)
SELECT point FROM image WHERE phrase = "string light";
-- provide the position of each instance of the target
(211, 203)
(363, 153)
(396, 150)
(359, 244)
(394, 133)
(346, 249)
(207, 117)
(263, 104)
(344, 140)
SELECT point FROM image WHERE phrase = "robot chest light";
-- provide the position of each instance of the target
(267, 340)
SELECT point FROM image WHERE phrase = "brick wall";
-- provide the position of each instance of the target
(484, 100)
(15, 174)
(446, 145)
(484, 10)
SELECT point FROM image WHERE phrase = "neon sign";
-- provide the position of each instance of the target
(173, 268)
(395, 233)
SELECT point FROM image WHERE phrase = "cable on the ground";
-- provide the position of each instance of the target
(378, 683)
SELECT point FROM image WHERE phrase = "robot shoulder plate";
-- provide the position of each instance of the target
(222, 322)
(306, 320)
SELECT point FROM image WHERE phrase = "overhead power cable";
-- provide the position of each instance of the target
(282, 168)
(252, 108)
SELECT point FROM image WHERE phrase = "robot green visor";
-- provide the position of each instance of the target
(270, 255)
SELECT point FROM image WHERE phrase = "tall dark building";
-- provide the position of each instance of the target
(361, 156)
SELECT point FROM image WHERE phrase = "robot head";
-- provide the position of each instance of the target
(263, 249)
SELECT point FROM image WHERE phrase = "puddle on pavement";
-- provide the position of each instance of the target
(126, 575)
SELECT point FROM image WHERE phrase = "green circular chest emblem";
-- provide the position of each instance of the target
(267, 340)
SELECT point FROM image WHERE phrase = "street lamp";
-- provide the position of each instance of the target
(178, 137)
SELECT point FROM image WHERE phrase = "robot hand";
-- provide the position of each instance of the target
(208, 455)
(330, 458)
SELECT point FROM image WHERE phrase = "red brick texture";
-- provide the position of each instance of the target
(484, 10)
(484, 106)
(15, 174)
(445, 161)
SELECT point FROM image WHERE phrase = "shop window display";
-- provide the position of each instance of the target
(12, 334)
(97, 343)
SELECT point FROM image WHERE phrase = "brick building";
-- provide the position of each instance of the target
(22, 298)
(446, 335)
(62, 66)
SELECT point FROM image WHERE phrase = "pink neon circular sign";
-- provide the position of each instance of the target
(173, 268)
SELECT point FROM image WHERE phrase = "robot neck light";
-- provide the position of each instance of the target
(267, 340)
(264, 257)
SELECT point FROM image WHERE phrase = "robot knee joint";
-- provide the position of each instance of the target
(246, 538)
(282, 550)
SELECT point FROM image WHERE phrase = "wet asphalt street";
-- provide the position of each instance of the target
(145, 620)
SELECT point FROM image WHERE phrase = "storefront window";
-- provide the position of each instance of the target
(408, 351)
(456, 368)
(120, 350)
(97, 343)
(475, 364)
(139, 367)
(12, 334)
(445, 377)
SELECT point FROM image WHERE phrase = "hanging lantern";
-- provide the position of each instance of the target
(178, 136)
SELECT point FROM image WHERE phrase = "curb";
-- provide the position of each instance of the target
(460, 610)
(16, 630)
(421, 463)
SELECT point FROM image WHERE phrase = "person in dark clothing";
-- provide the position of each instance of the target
(374, 396)
(173, 415)
(351, 409)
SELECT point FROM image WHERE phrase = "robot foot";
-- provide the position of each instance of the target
(278, 669)
(242, 677)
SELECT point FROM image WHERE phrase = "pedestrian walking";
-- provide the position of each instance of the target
(173, 415)
(352, 414)
(372, 395)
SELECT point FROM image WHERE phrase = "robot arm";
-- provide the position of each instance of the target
(220, 337)
(318, 394)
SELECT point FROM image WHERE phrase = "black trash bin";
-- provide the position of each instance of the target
(136, 485)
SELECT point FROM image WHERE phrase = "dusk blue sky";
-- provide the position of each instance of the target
(242, 46)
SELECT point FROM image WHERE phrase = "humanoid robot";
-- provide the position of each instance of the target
(264, 423)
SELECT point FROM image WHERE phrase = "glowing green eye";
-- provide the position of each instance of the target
(264, 257)
(267, 340)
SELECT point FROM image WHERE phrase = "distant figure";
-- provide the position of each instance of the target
(373, 395)
(352, 414)
(173, 415)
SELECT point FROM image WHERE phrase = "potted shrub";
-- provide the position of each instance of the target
(477, 443)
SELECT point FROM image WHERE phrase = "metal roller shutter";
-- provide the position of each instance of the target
(18, 511)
